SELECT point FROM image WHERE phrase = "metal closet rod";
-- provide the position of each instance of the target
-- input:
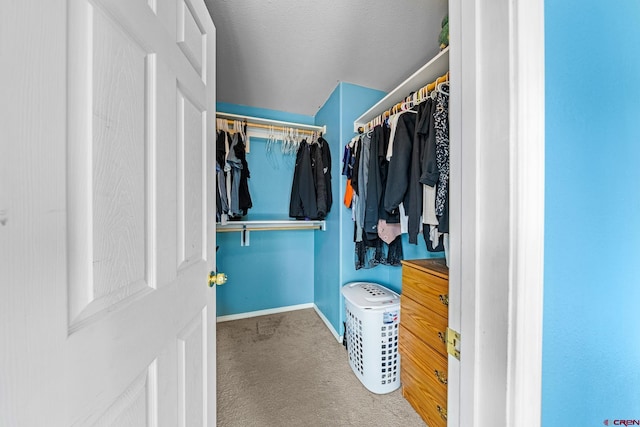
(269, 124)
(249, 227)
(245, 227)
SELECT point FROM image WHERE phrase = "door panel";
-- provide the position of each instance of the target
(108, 175)
(113, 197)
(192, 365)
(190, 37)
(191, 146)
(136, 406)
(119, 302)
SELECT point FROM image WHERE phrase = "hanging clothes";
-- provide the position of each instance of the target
(429, 176)
(399, 181)
(232, 176)
(222, 204)
(311, 196)
(325, 154)
(359, 180)
(400, 165)
(376, 235)
(441, 117)
(419, 151)
(377, 176)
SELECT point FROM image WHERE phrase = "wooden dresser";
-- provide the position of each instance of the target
(424, 315)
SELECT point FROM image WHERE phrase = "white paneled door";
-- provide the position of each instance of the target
(107, 222)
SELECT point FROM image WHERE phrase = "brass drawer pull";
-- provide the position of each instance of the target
(440, 377)
(442, 337)
(442, 412)
(444, 299)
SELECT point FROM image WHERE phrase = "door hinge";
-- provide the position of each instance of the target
(453, 343)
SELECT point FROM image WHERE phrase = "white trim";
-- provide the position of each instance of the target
(268, 311)
(328, 324)
(524, 374)
(497, 188)
(460, 399)
(463, 386)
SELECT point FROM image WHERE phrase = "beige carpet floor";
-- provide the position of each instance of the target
(287, 369)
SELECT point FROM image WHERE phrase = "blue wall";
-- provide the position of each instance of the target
(591, 347)
(276, 269)
(327, 259)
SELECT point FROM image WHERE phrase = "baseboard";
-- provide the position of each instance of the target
(264, 312)
(328, 324)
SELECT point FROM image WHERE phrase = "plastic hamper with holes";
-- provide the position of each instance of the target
(372, 327)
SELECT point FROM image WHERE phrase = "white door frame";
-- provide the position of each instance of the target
(497, 211)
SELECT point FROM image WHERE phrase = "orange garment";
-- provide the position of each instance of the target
(348, 194)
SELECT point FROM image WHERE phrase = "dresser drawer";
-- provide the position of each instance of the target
(429, 290)
(430, 407)
(424, 323)
(428, 365)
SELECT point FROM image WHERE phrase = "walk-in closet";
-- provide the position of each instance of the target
(198, 195)
(295, 241)
(276, 262)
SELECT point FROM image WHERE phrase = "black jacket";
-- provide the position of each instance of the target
(326, 170)
(400, 164)
(311, 188)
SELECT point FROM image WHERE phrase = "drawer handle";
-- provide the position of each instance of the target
(442, 337)
(444, 299)
(440, 377)
(442, 412)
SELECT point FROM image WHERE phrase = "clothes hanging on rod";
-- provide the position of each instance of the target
(311, 196)
(232, 172)
(288, 134)
(289, 137)
(398, 171)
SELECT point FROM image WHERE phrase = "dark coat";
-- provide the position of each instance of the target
(309, 191)
(374, 208)
(400, 164)
(326, 163)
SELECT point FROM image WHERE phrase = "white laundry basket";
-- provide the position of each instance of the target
(371, 330)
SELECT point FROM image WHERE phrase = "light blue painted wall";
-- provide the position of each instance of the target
(276, 269)
(327, 254)
(591, 345)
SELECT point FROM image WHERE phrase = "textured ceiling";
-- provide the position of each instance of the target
(289, 55)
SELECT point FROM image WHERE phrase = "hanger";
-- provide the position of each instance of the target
(443, 84)
(441, 88)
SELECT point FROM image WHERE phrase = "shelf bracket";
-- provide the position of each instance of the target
(244, 237)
